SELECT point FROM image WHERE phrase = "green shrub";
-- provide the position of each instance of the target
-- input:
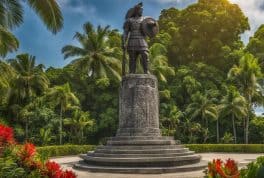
(254, 169)
(233, 148)
(64, 150)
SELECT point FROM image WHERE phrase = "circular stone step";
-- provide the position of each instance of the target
(142, 161)
(137, 155)
(137, 147)
(120, 138)
(141, 142)
(141, 151)
(140, 170)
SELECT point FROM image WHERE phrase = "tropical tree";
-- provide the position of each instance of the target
(234, 105)
(79, 122)
(217, 24)
(246, 76)
(256, 45)
(203, 107)
(7, 74)
(8, 42)
(30, 81)
(170, 118)
(11, 16)
(62, 97)
(159, 62)
(95, 57)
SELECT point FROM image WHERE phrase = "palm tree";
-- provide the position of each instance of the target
(246, 75)
(95, 56)
(78, 122)
(7, 74)
(202, 107)
(11, 16)
(159, 62)
(62, 97)
(235, 105)
(8, 42)
(30, 81)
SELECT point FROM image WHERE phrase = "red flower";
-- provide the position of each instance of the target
(6, 135)
(68, 174)
(231, 168)
(53, 170)
(27, 152)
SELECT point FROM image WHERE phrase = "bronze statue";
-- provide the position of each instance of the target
(136, 29)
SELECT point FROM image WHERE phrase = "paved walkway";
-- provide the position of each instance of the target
(242, 159)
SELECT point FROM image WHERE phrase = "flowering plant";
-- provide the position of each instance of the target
(6, 135)
(219, 169)
(24, 161)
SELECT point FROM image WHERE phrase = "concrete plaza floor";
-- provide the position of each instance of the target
(242, 159)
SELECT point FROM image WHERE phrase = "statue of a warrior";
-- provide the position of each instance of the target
(136, 29)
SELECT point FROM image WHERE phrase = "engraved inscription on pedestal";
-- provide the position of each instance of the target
(139, 106)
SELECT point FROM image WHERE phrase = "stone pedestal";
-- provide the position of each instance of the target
(139, 106)
(138, 146)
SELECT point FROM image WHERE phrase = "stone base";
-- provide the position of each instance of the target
(138, 146)
(139, 154)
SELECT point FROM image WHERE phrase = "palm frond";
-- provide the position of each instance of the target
(49, 12)
(8, 42)
(11, 13)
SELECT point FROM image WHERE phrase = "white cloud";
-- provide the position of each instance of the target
(253, 9)
(79, 7)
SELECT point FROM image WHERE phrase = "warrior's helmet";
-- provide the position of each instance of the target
(136, 10)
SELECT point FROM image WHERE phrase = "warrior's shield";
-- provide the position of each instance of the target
(150, 27)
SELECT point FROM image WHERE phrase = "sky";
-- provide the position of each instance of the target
(36, 40)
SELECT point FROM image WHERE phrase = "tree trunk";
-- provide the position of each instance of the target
(26, 129)
(60, 129)
(81, 135)
(217, 130)
(247, 119)
(234, 128)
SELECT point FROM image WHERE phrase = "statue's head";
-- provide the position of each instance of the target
(138, 9)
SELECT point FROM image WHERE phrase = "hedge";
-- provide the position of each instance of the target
(231, 148)
(64, 150)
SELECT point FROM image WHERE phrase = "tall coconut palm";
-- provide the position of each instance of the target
(159, 62)
(95, 56)
(64, 98)
(234, 105)
(246, 75)
(30, 81)
(202, 107)
(78, 122)
(11, 16)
